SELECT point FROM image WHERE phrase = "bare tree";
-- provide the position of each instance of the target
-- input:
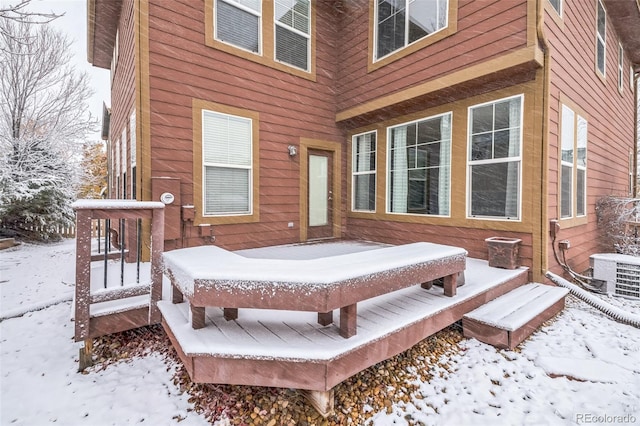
(43, 121)
(19, 13)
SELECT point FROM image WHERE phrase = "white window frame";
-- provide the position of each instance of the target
(354, 172)
(307, 35)
(574, 165)
(601, 38)
(512, 159)
(249, 167)
(388, 168)
(132, 138)
(560, 7)
(406, 34)
(620, 68)
(244, 8)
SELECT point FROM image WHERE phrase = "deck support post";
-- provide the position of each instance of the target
(348, 320)
(450, 284)
(86, 355)
(427, 285)
(230, 314)
(176, 295)
(322, 401)
(325, 318)
(197, 317)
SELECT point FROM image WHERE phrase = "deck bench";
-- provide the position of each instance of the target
(209, 276)
(506, 321)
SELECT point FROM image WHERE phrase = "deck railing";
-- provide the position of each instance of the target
(102, 221)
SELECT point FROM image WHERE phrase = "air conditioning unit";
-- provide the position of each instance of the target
(620, 271)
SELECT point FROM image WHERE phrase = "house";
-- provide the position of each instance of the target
(450, 121)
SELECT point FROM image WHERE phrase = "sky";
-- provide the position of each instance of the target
(74, 25)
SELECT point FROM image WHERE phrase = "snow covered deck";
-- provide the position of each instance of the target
(290, 349)
(210, 276)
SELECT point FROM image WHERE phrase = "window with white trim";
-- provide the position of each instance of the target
(419, 166)
(239, 22)
(364, 172)
(124, 162)
(620, 68)
(227, 164)
(400, 23)
(133, 148)
(557, 5)
(495, 159)
(601, 38)
(292, 22)
(573, 173)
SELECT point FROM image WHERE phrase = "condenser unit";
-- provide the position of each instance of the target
(620, 271)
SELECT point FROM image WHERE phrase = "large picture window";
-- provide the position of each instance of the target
(238, 22)
(293, 32)
(402, 22)
(419, 166)
(495, 144)
(573, 173)
(227, 164)
(364, 172)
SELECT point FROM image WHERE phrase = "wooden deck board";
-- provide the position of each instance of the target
(223, 341)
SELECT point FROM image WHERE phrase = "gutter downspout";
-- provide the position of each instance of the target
(544, 225)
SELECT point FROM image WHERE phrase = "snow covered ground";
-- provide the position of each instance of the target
(582, 369)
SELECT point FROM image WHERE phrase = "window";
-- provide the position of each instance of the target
(631, 188)
(400, 23)
(227, 164)
(601, 38)
(133, 150)
(573, 179)
(364, 172)
(557, 5)
(293, 32)
(124, 162)
(495, 139)
(620, 68)
(419, 166)
(238, 22)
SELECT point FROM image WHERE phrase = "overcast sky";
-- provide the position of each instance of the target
(74, 24)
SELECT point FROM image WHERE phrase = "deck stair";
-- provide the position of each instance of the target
(508, 320)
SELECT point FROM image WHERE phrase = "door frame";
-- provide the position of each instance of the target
(335, 148)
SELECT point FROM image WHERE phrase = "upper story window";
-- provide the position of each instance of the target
(277, 33)
(364, 172)
(601, 38)
(557, 5)
(400, 23)
(419, 166)
(573, 156)
(293, 32)
(495, 146)
(238, 23)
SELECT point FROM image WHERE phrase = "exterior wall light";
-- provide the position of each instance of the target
(292, 150)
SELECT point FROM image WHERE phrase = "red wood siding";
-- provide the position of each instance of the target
(123, 91)
(183, 68)
(485, 30)
(610, 116)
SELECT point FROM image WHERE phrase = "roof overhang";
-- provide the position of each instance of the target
(625, 16)
(102, 24)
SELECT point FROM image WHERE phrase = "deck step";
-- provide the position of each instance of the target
(506, 321)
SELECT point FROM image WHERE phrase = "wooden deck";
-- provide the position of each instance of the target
(290, 349)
